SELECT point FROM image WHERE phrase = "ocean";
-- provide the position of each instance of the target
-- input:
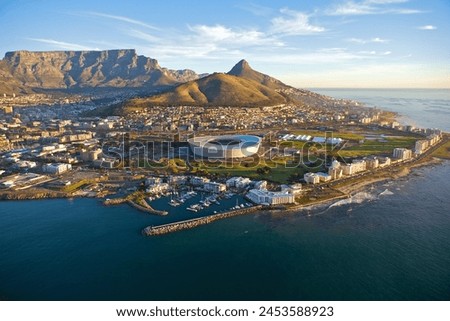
(389, 242)
(427, 108)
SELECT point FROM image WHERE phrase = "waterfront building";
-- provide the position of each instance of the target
(265, 197)
(158, 188)
(335, 173)
(178, 179)
(433, 139)
(153, 181)
(402, 153)
(215, 187)
(199, 181)
(260, 185)
(421, 146)
(384, 161)
(311, 178)
(323, 177)
(238, 182)
(292, 189)
(372, 162)
(358, 165)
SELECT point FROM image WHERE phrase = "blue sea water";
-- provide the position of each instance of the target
(428, 108)
(390, 242)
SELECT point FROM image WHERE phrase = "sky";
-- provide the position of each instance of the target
(304, 43)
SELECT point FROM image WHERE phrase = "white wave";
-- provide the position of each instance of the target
(386, 192)
(358, 198)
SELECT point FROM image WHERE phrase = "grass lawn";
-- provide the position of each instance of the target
(374, 147)
(278, 173)
(443, 151)
(76, 186)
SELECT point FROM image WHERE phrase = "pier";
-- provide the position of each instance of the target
(191, 223)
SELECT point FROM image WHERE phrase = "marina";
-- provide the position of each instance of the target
(192, 205)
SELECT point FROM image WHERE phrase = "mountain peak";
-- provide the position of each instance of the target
(239, 68)
(242, 69)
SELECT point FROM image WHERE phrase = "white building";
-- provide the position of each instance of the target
(178, 179)
(335, 173)
(215, 187)
(421, 146)
(199, 181)
(266, 197)
(260, 185)
(152, 181)
(358, 165)
(238, 182)
(384, 161)
(433, 139)
(158, 188)
(56, 168)
(372, 162)
(402, 153)
(311, 178)
(292, 189)
(324, 177)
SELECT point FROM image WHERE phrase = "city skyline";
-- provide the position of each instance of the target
(365, 44)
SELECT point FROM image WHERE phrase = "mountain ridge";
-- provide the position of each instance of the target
(26, 71)
(241, 86)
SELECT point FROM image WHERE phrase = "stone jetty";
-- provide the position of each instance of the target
(187, 224)
(147, 209)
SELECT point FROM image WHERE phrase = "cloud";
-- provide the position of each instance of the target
(256, 9)
(225, 35)
(62, 45)
(379, 40)
(375, 53)
(364, 41)
(386, 1)
(122, 18)
(427, 27)
(142, 35)
(293, 23)
(368, 7)
(321, 56)
(351, 8)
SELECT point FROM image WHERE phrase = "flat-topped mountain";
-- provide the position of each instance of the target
(241, 86)
(26, 70)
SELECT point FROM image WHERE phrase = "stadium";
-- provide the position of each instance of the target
(228, 146)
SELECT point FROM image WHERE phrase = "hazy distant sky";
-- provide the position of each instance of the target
(309, 43)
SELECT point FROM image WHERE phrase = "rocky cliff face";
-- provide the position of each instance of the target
(86, 69)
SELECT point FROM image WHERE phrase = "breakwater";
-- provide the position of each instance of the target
(147, 209)
(187, 224)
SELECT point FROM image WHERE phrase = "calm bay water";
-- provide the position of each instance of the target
(392, 242)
